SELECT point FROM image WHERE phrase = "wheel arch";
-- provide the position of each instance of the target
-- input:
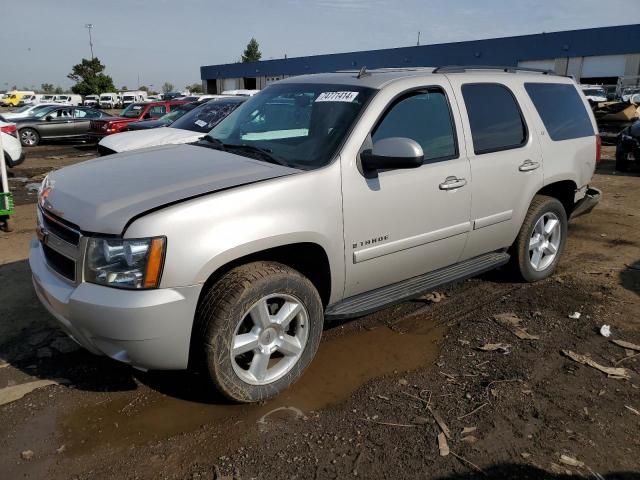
(309, 258)
(564, 191)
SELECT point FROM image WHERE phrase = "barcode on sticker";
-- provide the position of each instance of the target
(337, 97)
(200, 123)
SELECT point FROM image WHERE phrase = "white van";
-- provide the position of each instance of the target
(109, 100)
(30, 99)
(91, 100)
(133, 97)
(69, 99)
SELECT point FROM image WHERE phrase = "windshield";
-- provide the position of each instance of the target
(128, 98)
(205, 117)
(91, 97)
(105, 97)
(300, 125)
(176, 112)
(132, 111)
(46, 98)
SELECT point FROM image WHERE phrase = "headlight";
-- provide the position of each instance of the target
(125, 263)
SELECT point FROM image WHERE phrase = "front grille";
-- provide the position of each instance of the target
(61, 264)
(59, 229)
(104, 151)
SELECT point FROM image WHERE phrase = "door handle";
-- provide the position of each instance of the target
(528, 166)
(451, 183)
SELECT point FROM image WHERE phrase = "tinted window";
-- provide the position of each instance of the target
(424, 117)
(205, 117)
(157, 111)
(561, 110)
(494, 116)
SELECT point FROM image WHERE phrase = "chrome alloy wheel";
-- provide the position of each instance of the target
(545, 241)
(28, 138)
(270, 339)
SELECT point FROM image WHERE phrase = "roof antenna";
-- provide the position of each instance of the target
(363, 72)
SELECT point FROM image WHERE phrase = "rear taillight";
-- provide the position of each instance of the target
(10, 130)
(598, 149)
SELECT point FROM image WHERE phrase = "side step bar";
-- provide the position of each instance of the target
(369, 302)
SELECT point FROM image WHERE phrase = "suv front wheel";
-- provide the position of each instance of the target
(260, 328)
(541, 239)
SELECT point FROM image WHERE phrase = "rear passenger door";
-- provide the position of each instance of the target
(505, 157)
(60, 123)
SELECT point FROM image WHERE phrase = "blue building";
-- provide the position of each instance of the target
(594, 55)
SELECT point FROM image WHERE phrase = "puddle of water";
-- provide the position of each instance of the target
(341, 365)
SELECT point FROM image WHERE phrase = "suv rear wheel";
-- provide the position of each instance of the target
(541, 239)
(260, 328)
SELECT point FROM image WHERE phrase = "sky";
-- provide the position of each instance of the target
(154, 41)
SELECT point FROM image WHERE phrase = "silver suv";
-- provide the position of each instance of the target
(322, 197)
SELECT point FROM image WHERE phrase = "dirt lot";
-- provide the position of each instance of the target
(368, 406)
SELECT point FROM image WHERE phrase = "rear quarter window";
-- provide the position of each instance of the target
(561, 109)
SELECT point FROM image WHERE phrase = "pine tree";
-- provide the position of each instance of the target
(252, 52)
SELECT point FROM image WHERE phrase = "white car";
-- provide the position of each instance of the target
(91, 101)
(28, 110)
(594, 93)
(13, 154)
(629, 92)
(241, 92)
(189, 128)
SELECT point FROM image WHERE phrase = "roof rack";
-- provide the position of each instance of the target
(506, 69)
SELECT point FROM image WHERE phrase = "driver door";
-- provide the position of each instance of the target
(400, 223)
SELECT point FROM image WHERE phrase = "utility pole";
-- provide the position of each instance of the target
(418, 44)
(89, 26)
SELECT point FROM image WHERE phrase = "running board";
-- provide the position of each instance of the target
(369, 302)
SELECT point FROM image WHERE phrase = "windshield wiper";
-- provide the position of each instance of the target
(210, 142)
(263, 153)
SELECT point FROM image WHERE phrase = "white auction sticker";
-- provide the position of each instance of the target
(337, 97)
(200, 123)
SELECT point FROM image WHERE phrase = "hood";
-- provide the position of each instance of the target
(102, 195)
(125, 141)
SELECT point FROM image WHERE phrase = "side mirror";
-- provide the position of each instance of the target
(392, 153)
(48, 118)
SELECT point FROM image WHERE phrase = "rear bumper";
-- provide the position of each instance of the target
(587, 203)
(149, 329)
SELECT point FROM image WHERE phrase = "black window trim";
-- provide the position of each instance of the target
(522, 118)
(416, 91)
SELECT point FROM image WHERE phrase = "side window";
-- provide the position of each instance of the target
(78, 113)
(423, 116)
(561, 110)
(157, 111)
(494, 116)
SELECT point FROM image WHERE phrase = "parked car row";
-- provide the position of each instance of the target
(21, 98)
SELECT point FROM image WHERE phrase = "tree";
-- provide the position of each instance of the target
(47, 87)
(144, 88)
(195, 88)
(58, 90)
(252, 52)
(89, 78)
(167, 87)
(124, 88)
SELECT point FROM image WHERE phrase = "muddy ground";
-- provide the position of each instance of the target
(367, 406)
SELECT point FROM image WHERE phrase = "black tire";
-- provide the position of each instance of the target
(25, 133)
(622, 163)
(224, 306)
(521, 256)
(8, 161)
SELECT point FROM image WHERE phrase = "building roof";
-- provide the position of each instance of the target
(616, 40)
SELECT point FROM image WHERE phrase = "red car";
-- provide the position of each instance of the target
(133, 113)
